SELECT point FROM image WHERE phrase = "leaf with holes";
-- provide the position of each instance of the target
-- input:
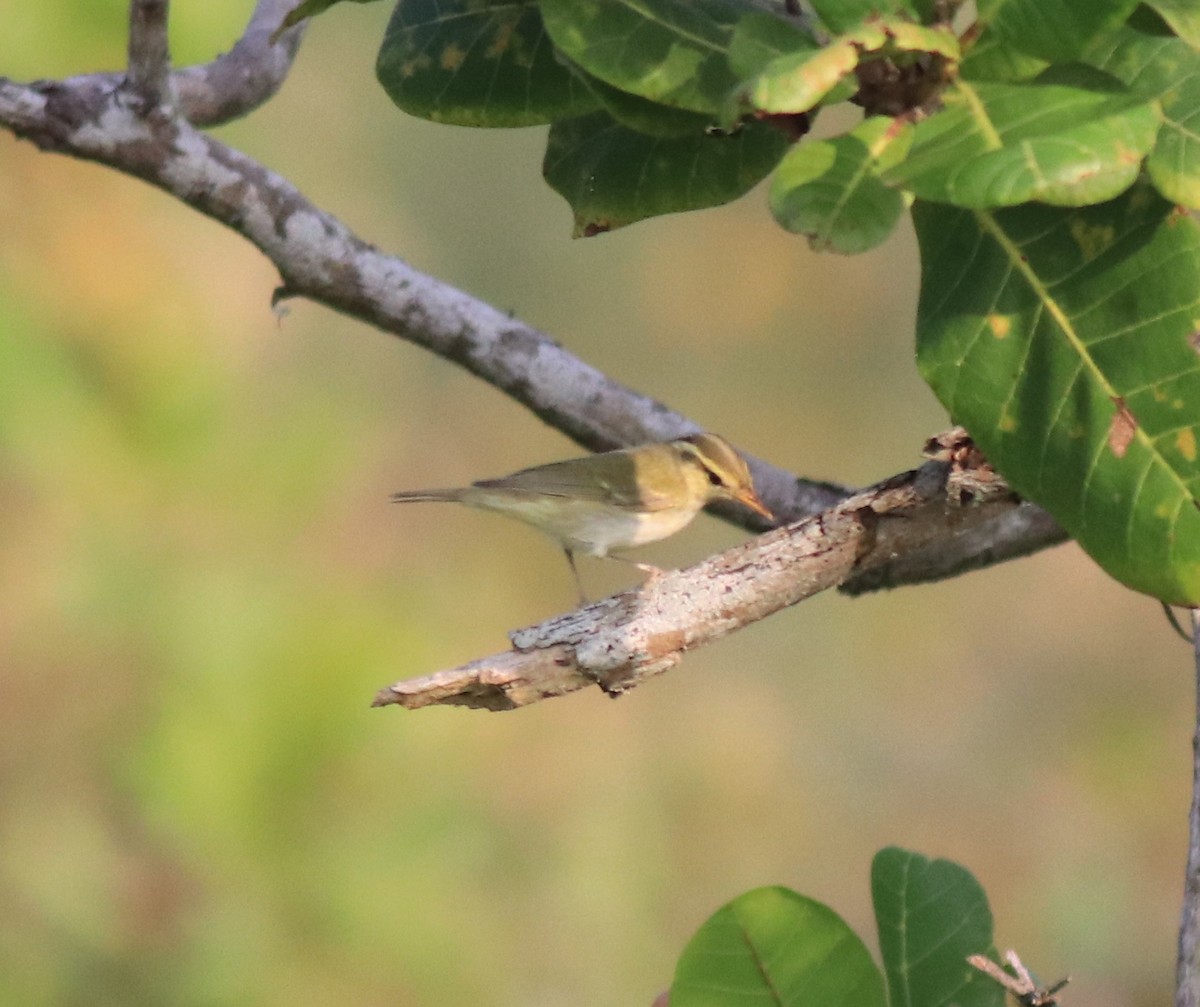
(1003, 144)
(931, 915)
(1159, 66)
(477, 63)
(613, 176)
(830, 190)
(1065, 342)
(773, 946)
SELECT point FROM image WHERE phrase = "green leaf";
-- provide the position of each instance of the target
(669, 51)
(798, 81)
(1183, 16)
(992, 59)
(772, 946)
(830, 190)
(477, 63)
(842, 15)
(929, 11)
(1065, 342)
(760, 38)
(931, 915)
(1003, 144)
(1163, 67)
(642, 115)
(613, 176)
(1055, 30)
(904, 37)
(307, 8)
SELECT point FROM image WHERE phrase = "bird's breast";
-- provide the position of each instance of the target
(586, 526)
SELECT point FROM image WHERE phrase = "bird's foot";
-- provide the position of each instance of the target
(652, 572)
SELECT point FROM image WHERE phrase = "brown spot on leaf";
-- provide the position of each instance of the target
(1127, 156)
(999, 325)
(1091, 240)
(410, 68)
(1122, 428)
(1194, 341)
(452, 57)
(500, 44)
(1185, 441)
(596, 227)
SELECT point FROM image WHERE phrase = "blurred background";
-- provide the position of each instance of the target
(202, 584)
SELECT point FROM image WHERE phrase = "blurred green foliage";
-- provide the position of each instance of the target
(202, 584)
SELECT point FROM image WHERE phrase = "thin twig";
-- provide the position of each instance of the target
(242, 79)
(1019, 982)
(228, 87)
(149, 52)
(1187, 969)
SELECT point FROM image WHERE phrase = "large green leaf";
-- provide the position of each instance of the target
(991, 58)
(931, 915)
(1160, 66)
(841, 15)
(670, 51)
(642, 115)
(759, 38)
(1065, 342)
(1056, 30)
(772, 946)
(797, 81)
(830, 190)
(614, 176)
(477, 63)
(1183, 16)
(1003, 144)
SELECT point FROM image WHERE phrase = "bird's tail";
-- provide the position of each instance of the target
(418, 496)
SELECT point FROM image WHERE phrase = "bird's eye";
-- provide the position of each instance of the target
(715, 479)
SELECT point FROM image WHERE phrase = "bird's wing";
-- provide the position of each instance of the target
(605, 478)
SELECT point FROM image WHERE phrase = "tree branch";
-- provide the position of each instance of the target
(621, 641)
(230, 86)
(1187, 969)
(240, 80)
(92, 118)
(319, 258)
(149, 52)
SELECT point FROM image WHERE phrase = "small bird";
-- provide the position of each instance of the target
(615, 499)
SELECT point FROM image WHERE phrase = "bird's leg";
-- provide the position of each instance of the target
(652, 572)
(583, 599)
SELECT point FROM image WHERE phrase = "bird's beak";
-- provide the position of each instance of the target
(749, 498)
